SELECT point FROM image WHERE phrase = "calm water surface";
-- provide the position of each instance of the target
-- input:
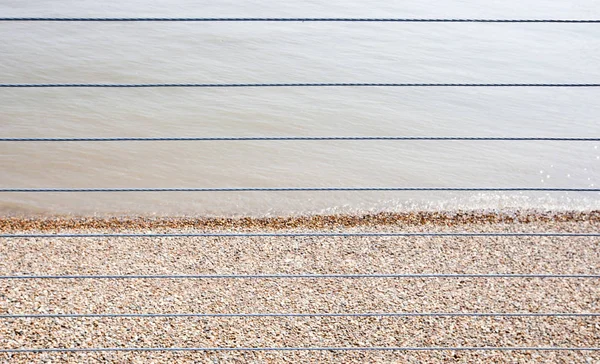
(298, 52)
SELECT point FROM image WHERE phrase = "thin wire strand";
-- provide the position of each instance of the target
(240, 85)
(356, 138)
(362, 20)
(250, 315)
(299, 189)
(409, 348)
(317, 234)
(305, 276)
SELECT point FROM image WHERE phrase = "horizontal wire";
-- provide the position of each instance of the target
(303, 276)
(389, 20)
(409, 138)
(318, 234)
(239, 85)
(298, 189)
(246, 315)
(370, 348)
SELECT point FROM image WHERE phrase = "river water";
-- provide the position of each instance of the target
(50, 52)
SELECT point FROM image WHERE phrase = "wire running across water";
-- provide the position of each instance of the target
(303, 20)
(319, 84)
(302, 138)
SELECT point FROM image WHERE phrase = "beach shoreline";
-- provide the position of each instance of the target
(301, 255)
(416, 218)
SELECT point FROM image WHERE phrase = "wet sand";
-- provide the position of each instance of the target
(300, 255)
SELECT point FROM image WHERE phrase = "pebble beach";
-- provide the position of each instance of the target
(302, 255)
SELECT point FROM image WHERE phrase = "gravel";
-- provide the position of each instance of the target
(298, 255)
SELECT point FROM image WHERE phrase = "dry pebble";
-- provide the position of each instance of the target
(299, 255)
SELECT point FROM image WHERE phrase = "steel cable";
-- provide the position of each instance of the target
(320, 84)
(409, 348)
(315, 234)
(306, 276)
(300, 189)
(250, 315)
(234, 19)
(300, 138)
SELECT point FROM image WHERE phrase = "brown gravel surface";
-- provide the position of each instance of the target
(297, 255)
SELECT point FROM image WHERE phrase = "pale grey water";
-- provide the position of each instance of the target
(298, 52)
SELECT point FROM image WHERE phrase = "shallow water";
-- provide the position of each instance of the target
(298, 52)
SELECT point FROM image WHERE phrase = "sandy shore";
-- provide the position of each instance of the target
(298, 255)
